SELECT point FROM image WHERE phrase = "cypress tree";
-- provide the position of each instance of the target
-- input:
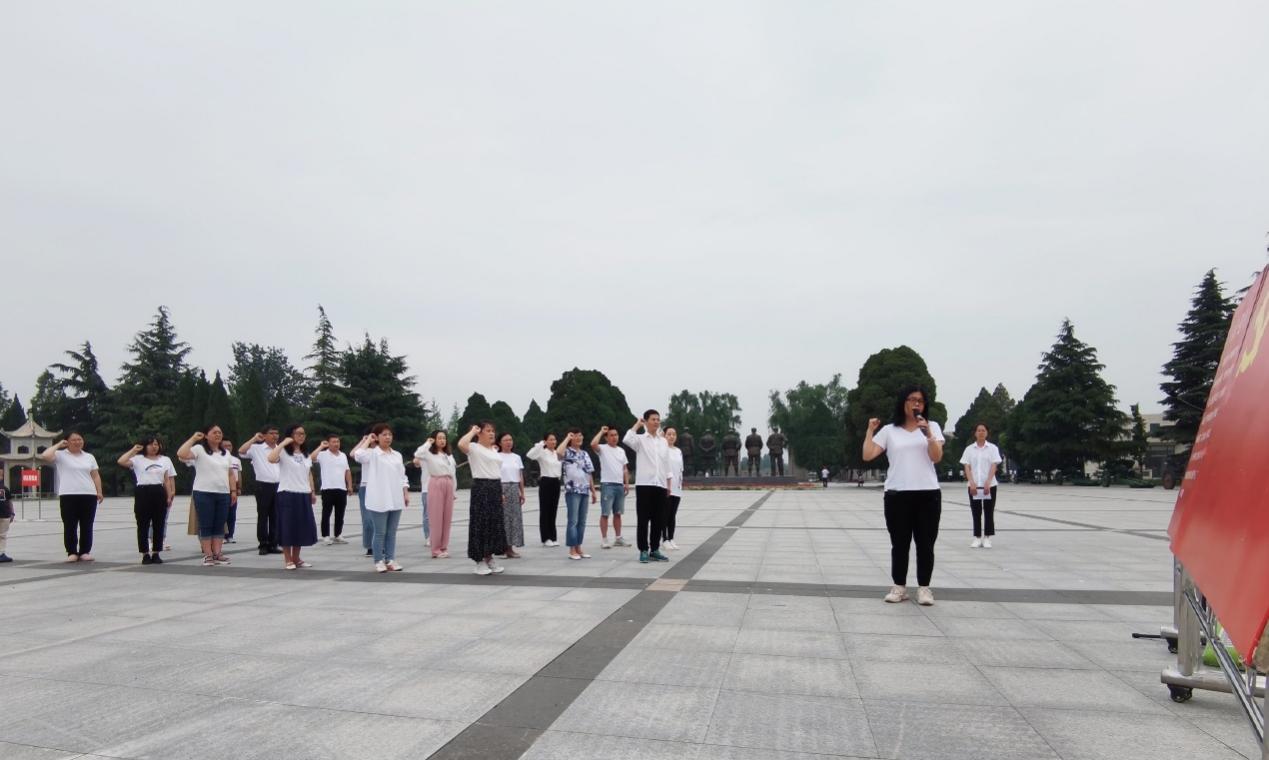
(1195, 356)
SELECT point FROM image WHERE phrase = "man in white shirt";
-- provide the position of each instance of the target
(256, 450)
(336, 486)
(652, 483)
(614, 484)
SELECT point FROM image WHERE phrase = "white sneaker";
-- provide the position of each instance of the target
(551, 543)
(897, 594)
(380, 567)
(327, 541)
(987, 543)
(392, 565)
(976, 543)
(673, 545)
(482, 569)
(620, 542)
(605, 544)
(495, 568)
(338, 540)
(925, 597)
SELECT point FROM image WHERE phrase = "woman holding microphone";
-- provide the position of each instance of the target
(913, 500)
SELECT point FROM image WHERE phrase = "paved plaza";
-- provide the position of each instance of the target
(765, 639)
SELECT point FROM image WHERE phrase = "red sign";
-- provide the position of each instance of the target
(1220, 526)
(30, 478)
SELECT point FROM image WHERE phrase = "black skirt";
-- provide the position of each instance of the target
(486, 532)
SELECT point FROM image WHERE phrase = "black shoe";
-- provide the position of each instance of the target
(370, 553)
(145, 559)
(264, 550)
(156, 560)
(5, 558)
(275, 550)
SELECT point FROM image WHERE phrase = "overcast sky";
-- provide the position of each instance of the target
(727, 195)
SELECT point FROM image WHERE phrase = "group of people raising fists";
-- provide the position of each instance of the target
(287, 489)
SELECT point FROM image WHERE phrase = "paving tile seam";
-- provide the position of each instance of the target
(629, 619)
(689, 745)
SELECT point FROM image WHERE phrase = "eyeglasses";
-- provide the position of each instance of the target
(916, 400)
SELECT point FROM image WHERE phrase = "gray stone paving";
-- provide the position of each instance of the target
(777, 648)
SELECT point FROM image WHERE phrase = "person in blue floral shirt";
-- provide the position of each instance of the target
(578, 483)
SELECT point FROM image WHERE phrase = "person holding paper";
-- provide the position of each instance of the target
(980, 461)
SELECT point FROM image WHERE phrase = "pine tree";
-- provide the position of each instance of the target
(220, 411)
(1069, 416)
(506, 421)
(49, 402)
(1195, 356)
(14, 416)
(332, 410)
(1139, 444)
(534, 423)
(145, 398)
(85, 396)
(286, 391)
(382, 389)
(587, 399)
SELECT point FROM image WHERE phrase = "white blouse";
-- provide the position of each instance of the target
(548, 461)
(383, 475)
(438, 465)
(486, 464)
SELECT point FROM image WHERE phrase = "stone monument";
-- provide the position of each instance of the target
(753, 447)
(686, 445)
(706, 450)
(731, 453)
(775, 447)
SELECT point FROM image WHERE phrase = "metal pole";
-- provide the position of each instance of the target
(1189, 649)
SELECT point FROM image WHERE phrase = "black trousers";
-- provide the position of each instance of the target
(671, 516)
(912, 515)
(78, 513)
(548, 507)
(650, 506)
(266, 514)
(333, 500)
(149, 504)
(980, 506)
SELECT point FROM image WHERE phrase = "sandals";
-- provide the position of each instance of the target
(302, 563)
(290, 566)
(72, 557)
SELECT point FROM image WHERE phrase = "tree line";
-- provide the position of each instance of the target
(1070, 414)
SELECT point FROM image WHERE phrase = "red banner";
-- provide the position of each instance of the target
(30, 478)
(1220, 526)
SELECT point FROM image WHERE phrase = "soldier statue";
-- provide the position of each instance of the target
(706, 450)
(775, 447)
(731, 453)
(753, 447)
(685, 444)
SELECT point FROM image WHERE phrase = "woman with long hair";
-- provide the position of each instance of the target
(78, 494)
(511, 476)
(387, 492)
(296, 527)
(215, 484)
(913, 500)
(549, 472)
(486, 535)
(676, 487)
(152, 498)
(439, 467)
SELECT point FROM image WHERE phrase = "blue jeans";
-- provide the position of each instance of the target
(367, 528)
(576, 530)
(612, 499)
(427, 533)
(212, 510)
(385, 525)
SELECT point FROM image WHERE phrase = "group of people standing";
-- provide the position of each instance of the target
(287, 489)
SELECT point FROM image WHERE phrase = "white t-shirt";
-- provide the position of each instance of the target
(652, 463)
(980, 459)
(549, 464)
(824, 474)
(512, 466)
(910, 465)
(152, 472)
(438, 465)
(211, 471)
(332, 466)
(485, 463)
(74, 473)
(294, 470)
(612, 461)
(676, 471)
(425, 476)
(266, 471)
(383, 475)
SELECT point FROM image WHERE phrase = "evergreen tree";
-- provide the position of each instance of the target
(881, 378)
(332, 410)
(476, 411)
(813, 420)
(506, 421)
(703, 412)
(383, 391)
(986, 408)
(1139, 445)
(251, 405)
(220, 411)
(4, 397)
(586, 398)
(534, 423)
(14, 415)
(1195, 357)
(148, 382)
(49, 402)
(85, 396)
(1069, 416)
(285, 389)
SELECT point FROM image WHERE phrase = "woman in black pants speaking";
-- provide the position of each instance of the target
(913, 500)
